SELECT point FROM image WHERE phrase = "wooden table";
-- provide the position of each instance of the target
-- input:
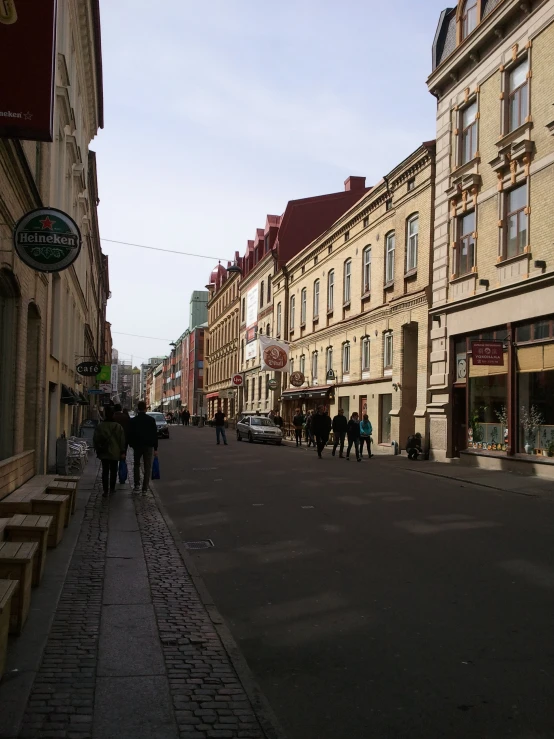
(7, 591)
(16, 563)
(22, 528)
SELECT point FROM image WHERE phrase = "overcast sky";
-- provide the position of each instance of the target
(218, 113)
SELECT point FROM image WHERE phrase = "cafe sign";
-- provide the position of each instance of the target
(88, 369)
(47, 239)
(490, 353)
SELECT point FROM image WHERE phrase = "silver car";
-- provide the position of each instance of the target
(258, 428)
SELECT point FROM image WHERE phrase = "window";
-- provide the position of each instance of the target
(246, 391)
(262, 286)
(267, 330)
(243, 309)
(347, 280)
(411, 247)
(329, 359)
(314, 366)
(253, 388)
(516, 221)
(279, 318)
(347, 236)
(303, 364)
(315, 260)
(466, 244)
(366, 221)
(291, 366)
(411, 184)
(365, 354)
(242, 351)
(346, 359)
(259, 387)
(316, 299)
(469, 18)
(330, 290)
(303, 301)
(468, 142)
(387, 358)
(388, 204)
(518, 95)
(390, 248)
(366, 270)
(269, 288)
(266, 243)
(292, 309)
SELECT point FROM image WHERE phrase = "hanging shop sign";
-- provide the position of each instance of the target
(47, 239)
(272, 383)
(489, 353)
(27, 56)
(237, 380)
(297, 379)
(274, 354)
(88, 369)
(105, 373)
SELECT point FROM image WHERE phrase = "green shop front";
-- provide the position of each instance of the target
(503, 404)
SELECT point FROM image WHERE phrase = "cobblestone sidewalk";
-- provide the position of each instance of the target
(133, 652)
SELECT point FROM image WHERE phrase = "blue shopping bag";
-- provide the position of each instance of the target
(122, 472)
(156, 469)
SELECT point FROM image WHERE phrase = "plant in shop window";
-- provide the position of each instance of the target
(530, 420)
(502, 416)
(476, 432)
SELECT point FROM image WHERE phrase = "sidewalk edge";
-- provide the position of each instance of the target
(264, 713)
(473, 482)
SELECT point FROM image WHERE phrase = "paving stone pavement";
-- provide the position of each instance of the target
(143, 661)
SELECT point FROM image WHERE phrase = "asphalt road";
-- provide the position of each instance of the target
(369, 600)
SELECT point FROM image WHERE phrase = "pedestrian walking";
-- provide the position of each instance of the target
(366, 429)
(277, 419)
(186, 416)
(340, 424)
(414, 446)
(143, 438)
(109, 445)
(298, 423)
(353, 433)
(123, 418)
(321, 427)
(309, 429)
(219, 420)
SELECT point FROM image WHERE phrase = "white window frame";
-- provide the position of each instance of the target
(366, 270)
(303, 306)
(346, 358)
(328, 359)
(366, 354)
(314, 367)
(303, 364)
(412, 243)
(292, 312)
(330, 290)
(347, 282)
(279, 318)
(390, 253)
(316, 299)
(388, 351)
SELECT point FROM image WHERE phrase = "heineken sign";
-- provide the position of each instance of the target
(47, 239)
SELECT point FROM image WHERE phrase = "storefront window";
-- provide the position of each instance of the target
(536, 412)
(487, 427)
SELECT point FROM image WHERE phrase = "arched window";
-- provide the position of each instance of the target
(316, 299)
(330, 290)
(468, 18)
(267, 330)
(262, 287)
(268, 288)
(412, 239)
(329, 359)
(346, 358)
(291, 312)
(303, 364)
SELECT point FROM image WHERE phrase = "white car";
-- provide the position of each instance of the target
(258, 428)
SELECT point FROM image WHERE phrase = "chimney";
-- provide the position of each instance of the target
(354, 183)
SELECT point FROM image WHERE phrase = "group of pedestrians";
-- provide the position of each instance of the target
(112, 437)
(183, 416)
(318, 427)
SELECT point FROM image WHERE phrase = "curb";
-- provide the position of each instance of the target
(264, 713)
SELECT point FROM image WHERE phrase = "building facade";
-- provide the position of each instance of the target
(354, 307)
(493, 262)
(222, 339)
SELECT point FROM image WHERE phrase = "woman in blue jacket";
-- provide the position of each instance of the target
(366, 430)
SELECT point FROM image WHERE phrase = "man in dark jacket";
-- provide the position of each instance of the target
(298, 423)
(143, 437)
(123, 420)
(340, 425)
(321, 428)
(353, 431)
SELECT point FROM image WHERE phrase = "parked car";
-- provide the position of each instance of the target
(259, 428)
(161, 425)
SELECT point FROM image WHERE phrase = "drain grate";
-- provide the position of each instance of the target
(202, 544)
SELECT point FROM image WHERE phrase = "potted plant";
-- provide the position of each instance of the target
(477, 431)
(530, 419)
(502, 416)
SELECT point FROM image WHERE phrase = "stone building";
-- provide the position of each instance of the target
(493, 261)
(222, 339)
(49, 323)
(354, 307)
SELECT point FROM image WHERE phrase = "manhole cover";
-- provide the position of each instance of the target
(202, 544)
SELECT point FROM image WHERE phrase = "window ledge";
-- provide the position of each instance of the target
(329, 313)
(516, 258)
(550, 127)
(465, 168)
(366, 295)
(461, 278)
(315, 319)
(511, 136)
(388, 285)
(346, 305)
(411, 273)
(387, 372)
(303, 325)
(291, 331)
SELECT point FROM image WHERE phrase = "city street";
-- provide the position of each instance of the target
(370, 600)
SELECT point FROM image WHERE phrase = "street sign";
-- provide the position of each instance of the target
(88, 369)
(47, 239)
(237, 380)
(95, 391)
(272, 383)
(297, 379)
(489, 353)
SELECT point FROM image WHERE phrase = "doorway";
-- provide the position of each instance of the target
(385, 407)
(459, 420)
(363, 405)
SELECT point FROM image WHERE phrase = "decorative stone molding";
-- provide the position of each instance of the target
(513, 159)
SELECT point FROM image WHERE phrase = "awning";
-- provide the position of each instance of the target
(68, 396)
(82, 400)
(212, 395)
(308, 393)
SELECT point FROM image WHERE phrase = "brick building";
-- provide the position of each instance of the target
(354, 306)
(493, 263)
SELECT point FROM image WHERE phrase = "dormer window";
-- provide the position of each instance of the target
(469, 18)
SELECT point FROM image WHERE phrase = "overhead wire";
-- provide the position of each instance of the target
(169, 251)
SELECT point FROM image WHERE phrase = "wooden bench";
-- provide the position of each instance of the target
(22, 528)
(64, 488)
(7, 592)
(3, 522)
(16, 563)
(31, 498)
(70, 478)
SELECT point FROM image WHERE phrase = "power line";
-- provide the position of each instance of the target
(138, 336)
(169, 251)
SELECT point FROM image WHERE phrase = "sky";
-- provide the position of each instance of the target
(219, 113)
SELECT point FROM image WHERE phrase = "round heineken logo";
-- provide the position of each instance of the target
(47, 239)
